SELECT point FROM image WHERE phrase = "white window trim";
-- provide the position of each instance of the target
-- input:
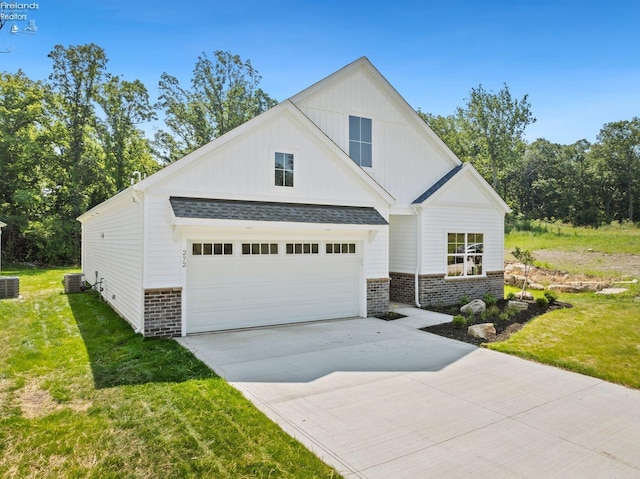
(374, 124)
(464, 276)
(283, 190)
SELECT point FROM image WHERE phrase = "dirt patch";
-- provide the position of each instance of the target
(35, 402)
(616, 267)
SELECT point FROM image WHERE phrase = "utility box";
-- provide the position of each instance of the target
(9, 287)
(74, 283)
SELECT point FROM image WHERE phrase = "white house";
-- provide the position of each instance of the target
(329, 205)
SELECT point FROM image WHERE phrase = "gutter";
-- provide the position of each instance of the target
(418, 209)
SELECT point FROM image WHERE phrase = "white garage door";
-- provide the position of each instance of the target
(239, 285)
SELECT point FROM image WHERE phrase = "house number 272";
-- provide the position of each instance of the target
(184, 258)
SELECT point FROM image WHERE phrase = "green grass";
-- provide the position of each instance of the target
(613, 238)
(600, 335)
(81, 395)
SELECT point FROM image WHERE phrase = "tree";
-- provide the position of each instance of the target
(77, 73)
(224, 94)
(125, 105)
(617, 156)
(25, 156)
(497, 123)
(75, 80)
(526, 257)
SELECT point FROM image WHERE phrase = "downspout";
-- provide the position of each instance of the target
(418, 209)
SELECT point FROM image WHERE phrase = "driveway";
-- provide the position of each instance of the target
(378, 399)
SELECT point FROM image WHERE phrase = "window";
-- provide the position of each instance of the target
(341, 248)
(259, 248)
(208, 249)
(360, 140)
(302, 248)
(284, 169)
(464, 254)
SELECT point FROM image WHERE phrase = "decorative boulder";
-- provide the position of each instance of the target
(521, 305)
(524, 296)
(477, 306)
(482, 331)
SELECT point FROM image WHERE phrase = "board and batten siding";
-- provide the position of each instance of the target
(113, 251)
(402, 243)
(405, 160)
(243, 168)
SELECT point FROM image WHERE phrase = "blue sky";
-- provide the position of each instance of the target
(579, 61)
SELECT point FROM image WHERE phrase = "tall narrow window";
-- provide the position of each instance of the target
(360, 140)
(284, 169)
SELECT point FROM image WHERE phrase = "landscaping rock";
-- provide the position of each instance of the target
(524, 296)
(577, 287)
(612, 291)
(519, 305)
(477, 306)
(482, 331)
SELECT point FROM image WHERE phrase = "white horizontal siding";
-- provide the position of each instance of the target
(112, 251)
(402, 243)
(163, 254)
(440, 220)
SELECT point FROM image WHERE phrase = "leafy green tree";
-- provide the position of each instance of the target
(617, 159)
(125, 105)
(26, 154)
(496, 123)
(75, 80)
(224, 94)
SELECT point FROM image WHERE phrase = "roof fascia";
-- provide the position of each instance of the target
(365, 64)
(468, 170)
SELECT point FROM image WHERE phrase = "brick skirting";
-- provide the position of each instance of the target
(163, 312)
(436, 290)
(377, 296)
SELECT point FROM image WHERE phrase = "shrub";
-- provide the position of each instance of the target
(551, 296)
(464, 300)
(491, 312)
(542, 301)
(504, 316)
(459, 321)
(511, 296)
(489, 299)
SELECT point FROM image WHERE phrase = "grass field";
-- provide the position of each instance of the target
(600, 335)
(82, 396)
(540, 235)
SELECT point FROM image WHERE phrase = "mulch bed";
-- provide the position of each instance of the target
(504, 328)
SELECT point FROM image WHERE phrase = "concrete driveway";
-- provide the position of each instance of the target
(380, 399)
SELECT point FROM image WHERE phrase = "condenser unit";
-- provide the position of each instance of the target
(9, 287)
(73, 283)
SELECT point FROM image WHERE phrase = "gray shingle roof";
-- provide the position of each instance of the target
(264, 211)
(437, 185)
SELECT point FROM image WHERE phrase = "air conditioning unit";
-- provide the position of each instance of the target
(73, 283)
(9, 287)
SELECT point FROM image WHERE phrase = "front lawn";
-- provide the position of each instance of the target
(82, 396)
(599, 336)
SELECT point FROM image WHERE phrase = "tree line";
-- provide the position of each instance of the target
(72, 141)
(586, 184)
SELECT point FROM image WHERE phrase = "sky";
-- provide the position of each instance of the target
(578, 61)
